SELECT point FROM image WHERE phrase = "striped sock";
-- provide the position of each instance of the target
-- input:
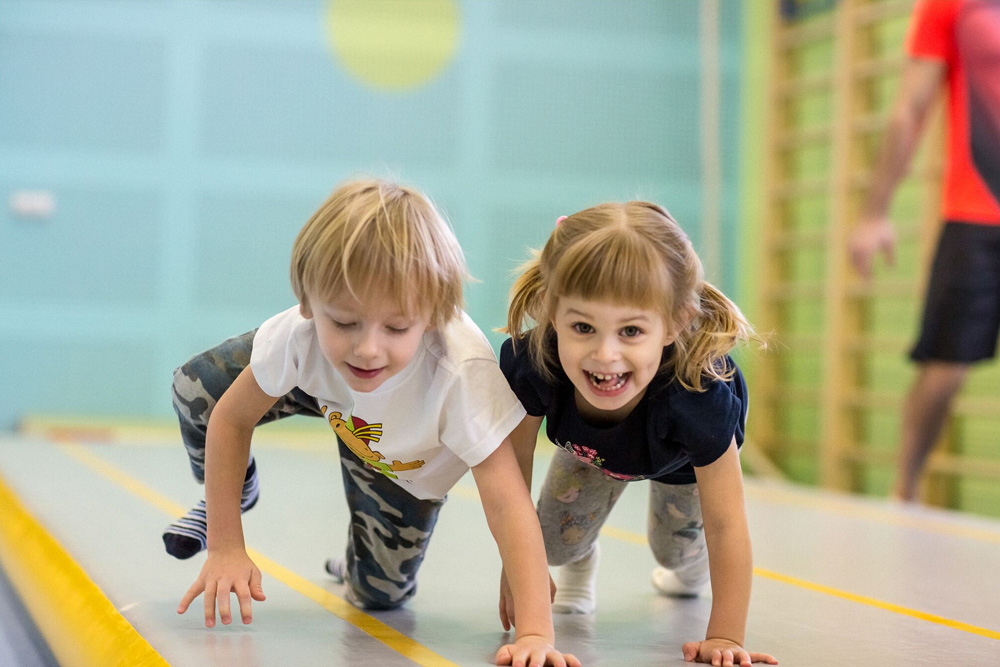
(189, 534)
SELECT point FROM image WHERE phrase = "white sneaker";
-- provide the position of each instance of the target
(667, 583)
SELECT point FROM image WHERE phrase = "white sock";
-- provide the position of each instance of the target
(336, 567)
(688, 581)
(577, 588)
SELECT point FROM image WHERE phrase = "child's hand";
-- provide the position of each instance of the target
(223, 573)
(534, 651)
(723, 653)
(507, 600)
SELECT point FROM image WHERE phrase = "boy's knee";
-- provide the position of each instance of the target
(378, 598)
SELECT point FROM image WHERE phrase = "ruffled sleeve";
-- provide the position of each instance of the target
(703, 424)
(530, 388)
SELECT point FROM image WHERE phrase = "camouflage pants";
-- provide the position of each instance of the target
(389, 530)
(576, 499)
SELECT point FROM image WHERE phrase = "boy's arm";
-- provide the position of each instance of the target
(920, 85)
(227, 568)
(720, 488)
(514, 524)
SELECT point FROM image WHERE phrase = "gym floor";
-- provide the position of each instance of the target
(839, 580)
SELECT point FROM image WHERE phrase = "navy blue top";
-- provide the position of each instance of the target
(668, 432)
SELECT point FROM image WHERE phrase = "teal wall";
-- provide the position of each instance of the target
(186, 142)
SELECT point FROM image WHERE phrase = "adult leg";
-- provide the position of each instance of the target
(574, 503)
(387, 539)
(197, 387)
(925, 412)
(677, 537)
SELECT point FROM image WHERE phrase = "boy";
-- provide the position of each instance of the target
(380, 348)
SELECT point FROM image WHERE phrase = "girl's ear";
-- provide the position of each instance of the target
(305, 311)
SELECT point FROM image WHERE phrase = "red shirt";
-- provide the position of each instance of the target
(965, 35)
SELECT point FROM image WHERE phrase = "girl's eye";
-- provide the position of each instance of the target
(631, 331)
(583, 327)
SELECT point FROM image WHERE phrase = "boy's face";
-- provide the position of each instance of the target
(367, 341)
(610, 352)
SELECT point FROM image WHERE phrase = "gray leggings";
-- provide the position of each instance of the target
(390, 529)
(576, 499)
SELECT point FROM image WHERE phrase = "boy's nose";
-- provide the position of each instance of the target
(366, 345)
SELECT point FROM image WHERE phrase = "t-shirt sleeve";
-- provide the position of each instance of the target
(704, 424)
(479, 411)
(932, 30)
(275, 357)
(529, 387)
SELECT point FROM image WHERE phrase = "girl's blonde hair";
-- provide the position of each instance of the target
(375, 238)
(633, 253)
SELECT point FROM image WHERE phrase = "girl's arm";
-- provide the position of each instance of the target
(228, 569)
(720, 487)
(514, 524)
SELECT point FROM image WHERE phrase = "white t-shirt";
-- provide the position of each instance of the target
(447, 411)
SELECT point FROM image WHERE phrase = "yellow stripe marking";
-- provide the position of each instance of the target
(79, 623)
(635, 538)
(878, 604)
(341, 608)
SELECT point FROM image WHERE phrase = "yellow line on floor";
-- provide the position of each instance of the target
(81, 626)
(344, 610)
(635, 538)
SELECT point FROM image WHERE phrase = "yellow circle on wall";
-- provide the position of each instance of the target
(393, 44)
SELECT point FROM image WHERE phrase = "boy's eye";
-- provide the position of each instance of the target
(341, 325)
(631, 331)
(583, 327)
(398, 330)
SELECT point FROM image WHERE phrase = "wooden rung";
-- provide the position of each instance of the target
(877, 67)
(977, 406)
(798, 343)
(796, 240)
(875, 344)
(811, 30)
(865, 15)
(796, 87)
(927, 172)
(791, 396)
(796, 291)
(802, 188)
(946, 463)
(787, 445)
(793, 139)
(873, 400)
(872, 123)
(894, 289)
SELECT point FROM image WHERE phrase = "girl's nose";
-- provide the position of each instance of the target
(606, 350)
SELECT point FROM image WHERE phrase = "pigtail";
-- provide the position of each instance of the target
(524, 299)
(717, 328)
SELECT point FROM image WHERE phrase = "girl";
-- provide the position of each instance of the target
(627, 362)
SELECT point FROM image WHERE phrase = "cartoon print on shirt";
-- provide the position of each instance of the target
(356, 437)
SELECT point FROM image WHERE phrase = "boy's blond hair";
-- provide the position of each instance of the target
(633, 253)
(378, 239)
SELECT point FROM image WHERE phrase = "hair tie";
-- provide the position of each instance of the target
(560, 219)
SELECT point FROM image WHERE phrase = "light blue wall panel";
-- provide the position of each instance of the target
(184, 144)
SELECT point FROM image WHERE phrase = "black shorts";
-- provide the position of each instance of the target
(961, 317)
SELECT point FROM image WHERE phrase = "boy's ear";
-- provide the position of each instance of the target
(305, 311)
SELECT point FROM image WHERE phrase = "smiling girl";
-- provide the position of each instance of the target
(622, 347)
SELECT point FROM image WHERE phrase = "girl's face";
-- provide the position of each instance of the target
(610, 353)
